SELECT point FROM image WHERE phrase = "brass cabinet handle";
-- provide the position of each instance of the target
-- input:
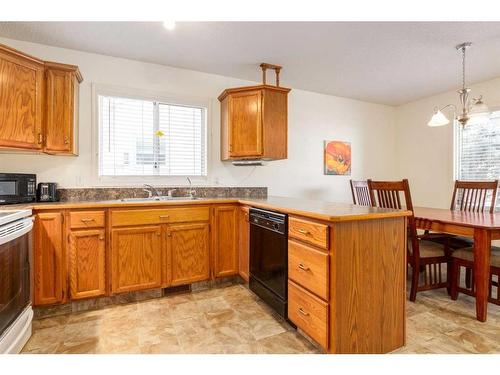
(87, 220)
(40, 138)
(164, 216)
(101, 238)
(66, 140)
(303, 231)
(302, 267)
(158, 234)
(301, 310)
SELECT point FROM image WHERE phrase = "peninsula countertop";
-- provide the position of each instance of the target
(316, 209)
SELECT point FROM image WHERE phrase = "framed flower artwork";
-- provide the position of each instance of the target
(337, 158)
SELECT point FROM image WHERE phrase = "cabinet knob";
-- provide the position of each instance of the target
(101, 238)
(40, 138)
(86, 220)
(66, 140)
(164, 216)
(303, 231)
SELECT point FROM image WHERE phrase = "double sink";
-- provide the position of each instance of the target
(158, 198)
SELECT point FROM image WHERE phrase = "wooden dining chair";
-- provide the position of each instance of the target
(465, 258)
(360, 193)
(471, 196)
(468, 196)
(422, 254)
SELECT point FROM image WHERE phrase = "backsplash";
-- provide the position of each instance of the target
(102, 194)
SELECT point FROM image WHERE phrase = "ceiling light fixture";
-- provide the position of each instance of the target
(169, 25)
(470, 109)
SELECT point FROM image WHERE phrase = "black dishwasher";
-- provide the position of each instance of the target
(269, 258)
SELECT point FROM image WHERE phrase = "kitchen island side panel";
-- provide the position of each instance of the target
(368, 286)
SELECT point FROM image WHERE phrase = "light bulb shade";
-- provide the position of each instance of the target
(479, 109)
(438, 119)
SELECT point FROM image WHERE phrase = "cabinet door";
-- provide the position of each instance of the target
(245, 124)
(188, 250)
(135, 258)
(60, 109)
(226, 241)
(21, 88)
(244, 243)
(49, 272)
(87, 259)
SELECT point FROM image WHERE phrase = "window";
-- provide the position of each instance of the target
(150, 138)
(478, 150)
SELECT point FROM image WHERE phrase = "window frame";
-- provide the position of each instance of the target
(166, 98)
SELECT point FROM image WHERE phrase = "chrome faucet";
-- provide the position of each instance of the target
(191, 192)
(150, 189)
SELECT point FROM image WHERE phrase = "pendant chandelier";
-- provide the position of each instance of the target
(469, 109)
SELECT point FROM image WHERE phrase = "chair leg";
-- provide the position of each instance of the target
(414, 282)
(468, 277)
(449, 276)
(454, 280)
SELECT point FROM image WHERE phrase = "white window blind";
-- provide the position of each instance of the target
(150, 138)
(478, 152)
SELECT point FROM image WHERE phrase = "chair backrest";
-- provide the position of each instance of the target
(360, 193)
(473, 195)
(386, 194)
(392, 194)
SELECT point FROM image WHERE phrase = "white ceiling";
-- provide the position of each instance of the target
(381, 62)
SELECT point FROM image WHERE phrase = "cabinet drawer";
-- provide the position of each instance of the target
(308, 267)
(159, 216)
(87, 219)
(308, 231)
(309, 313)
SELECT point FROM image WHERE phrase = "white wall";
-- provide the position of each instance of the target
(424, 154)
(312, 119)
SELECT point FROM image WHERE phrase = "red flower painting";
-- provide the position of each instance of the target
(337, 158)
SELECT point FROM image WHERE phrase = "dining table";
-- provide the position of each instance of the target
(483, 227)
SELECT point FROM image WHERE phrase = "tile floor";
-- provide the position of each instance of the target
(233, 320)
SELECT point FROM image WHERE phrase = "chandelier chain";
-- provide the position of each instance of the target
(463, 67)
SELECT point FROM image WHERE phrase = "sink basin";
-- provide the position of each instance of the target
(156, 199)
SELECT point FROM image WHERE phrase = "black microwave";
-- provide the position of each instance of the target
(17, 188)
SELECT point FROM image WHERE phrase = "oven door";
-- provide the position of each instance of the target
(15, 280)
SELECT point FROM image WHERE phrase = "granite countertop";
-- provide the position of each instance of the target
(315, 209)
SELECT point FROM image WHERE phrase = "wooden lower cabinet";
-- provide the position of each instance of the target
(188, 249)
(49, 270)
(136, 258)
(226, 241)
(244, 243)
(87, 263)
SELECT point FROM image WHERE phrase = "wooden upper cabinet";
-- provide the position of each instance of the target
(226, 241)
(61, 124)
(254, 123)
(188, 248)
(136, 258)
(87, 263)
(21, 100)
(38, 104)
(49, 261)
